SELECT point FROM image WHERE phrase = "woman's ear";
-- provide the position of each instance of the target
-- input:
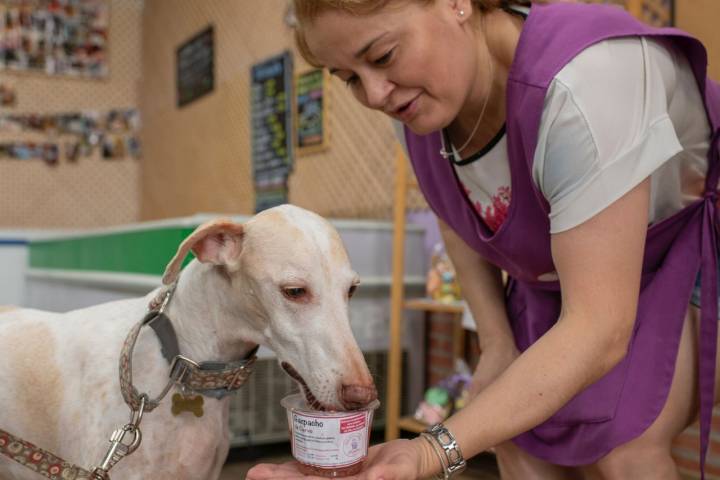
(463, 9)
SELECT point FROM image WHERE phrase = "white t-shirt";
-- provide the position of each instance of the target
(622, 110)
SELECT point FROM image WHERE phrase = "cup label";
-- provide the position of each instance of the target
(330, 441)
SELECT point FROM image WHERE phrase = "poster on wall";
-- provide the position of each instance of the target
(56, 37)
(271, 124)
(195, 67)
(311, 129)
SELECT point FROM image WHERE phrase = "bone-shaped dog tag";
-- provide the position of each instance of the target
(182, 403)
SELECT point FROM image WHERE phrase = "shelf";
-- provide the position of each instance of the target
(410, 424)
(429, 305)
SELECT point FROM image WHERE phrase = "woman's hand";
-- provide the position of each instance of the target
(395, 460)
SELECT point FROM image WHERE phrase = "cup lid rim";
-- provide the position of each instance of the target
(296, 402)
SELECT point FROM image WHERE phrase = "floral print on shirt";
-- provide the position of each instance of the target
(494, 213)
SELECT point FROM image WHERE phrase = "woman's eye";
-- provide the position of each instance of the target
(294, 293)
(384, 59)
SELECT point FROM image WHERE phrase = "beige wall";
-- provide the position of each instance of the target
(93, 191)
(702, 19)
(197, 158)
(200, 154)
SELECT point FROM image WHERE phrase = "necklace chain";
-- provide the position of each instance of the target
(445, 153)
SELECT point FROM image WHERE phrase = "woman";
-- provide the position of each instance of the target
(568, 147)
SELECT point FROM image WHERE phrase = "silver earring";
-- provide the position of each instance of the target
(462, 13)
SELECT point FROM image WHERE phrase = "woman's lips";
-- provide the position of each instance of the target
(406, 113)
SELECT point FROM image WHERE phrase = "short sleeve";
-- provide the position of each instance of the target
(604, 129)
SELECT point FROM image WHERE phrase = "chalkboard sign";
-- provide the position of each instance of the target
(271, 91)
(311, 111)
(271, 119)
(195, 67)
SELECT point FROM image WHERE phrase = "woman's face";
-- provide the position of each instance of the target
(414, 62)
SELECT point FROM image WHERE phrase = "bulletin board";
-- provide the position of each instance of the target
(56, 38)
(71, 136)
(71, 112)
(311, 111)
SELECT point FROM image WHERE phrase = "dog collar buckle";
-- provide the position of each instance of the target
(180, 367)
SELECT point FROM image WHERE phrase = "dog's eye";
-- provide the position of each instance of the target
(294, 293)
(351, 292)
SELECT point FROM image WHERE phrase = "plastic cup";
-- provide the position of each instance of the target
(328, 444)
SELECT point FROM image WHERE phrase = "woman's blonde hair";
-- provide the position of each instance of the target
(307, 10)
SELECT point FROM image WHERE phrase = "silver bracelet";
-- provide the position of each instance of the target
(455, 463)
(443, 475)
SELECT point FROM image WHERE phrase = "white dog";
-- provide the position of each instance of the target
(282, 280)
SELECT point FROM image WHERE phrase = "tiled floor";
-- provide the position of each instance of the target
(240, 460)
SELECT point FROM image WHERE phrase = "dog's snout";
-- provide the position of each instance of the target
(357, 396)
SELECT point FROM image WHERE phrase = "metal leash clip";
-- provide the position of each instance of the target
(118, 448)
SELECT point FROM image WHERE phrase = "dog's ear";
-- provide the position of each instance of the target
(217, 242)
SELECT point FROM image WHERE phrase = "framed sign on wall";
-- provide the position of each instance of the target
(311, 111)
(271, 121)
(195, 64)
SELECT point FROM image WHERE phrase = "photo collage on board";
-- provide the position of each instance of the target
(56, 37)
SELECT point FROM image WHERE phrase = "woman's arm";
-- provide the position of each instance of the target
(599, 264)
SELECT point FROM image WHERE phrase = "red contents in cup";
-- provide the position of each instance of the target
(328, 444)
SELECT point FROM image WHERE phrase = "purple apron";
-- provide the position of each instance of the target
(625, 402)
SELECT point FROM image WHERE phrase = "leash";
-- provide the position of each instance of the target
(39, 460)
(213, 379)
(51, 466)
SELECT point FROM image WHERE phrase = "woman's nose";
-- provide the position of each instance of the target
(377, 91)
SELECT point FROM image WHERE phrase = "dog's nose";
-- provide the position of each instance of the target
(357, 396)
